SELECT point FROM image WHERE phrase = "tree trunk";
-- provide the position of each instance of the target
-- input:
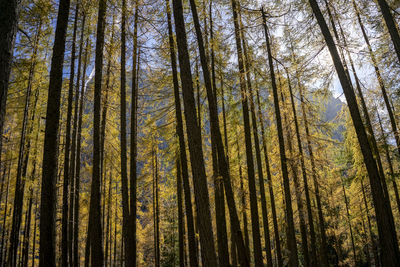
(50, 154)
(74, 145)
(391, 25)
(23, 157)
(65, 201)
(249, 154)
(8, 31)
(123, 137)
(291, 238)
(313, 244)
(78, 160)
(182, 148)
(271, 190)
(387, 233)
(258, 157)
(195, 143)
(181, 239)
(96, 241)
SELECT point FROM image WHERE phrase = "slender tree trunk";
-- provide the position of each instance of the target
(3, 232)
(222, 236)
(8, 31)
(390, 164)
(108, 221)
(74, 145)
(34, 231)
(195, 143)
(193, 259)
(23, 157)
(391, 25)
(76, 260)
(313, 244)
(123, 137)
(258, 157)
(299, 200)
(371, 234)
(321, 221)
(180, 213)
(50, 154)
(26, 242)
(269, 185)
(291, 238)
(96, 241)
(379, 78)
(349, 222)
(249, 154)
(156, 210)
(387, 233)
(65, 202)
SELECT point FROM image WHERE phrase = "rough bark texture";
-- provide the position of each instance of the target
(387, 233)
(8, 31)
(95, 227)
(50, 149)
(193, 258)
(195, 144)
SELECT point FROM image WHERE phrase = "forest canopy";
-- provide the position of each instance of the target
(199, 133)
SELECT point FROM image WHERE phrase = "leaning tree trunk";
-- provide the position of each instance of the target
(216, 138)
(391, 25)
(290, 233)
(385, 222)
(195, 143)
(249, 154)
(50, 154)
(182, 147)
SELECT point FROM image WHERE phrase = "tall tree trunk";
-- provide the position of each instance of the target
(8, 31)
(216, 140)
(74, 145)
(123, 137)
(321, 221)
(390, 164)
(156, 208)
(65, 201)
(26, 240)
(181, 238)
(96, 241)
(371, 234)
(314, 260)
(195, 143)
(291, 238)
(258, 156)
(50, 154)
(23, 157)
(391, 25)
(193, 259)
(269, 184)
(3, 228)
(379, 78)
(243, 204)
(387, 233)
(249, 154)
(222, 236)
(78, 159)
(131, 247)
(34, 231)
(293, 167)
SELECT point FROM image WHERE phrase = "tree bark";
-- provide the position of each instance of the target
(391, 25)
(291, 238)
(50, 154)
(387, 233)
(249, 154)
(8, 31)
(195, 143)
(193, 258)
(96, 241)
